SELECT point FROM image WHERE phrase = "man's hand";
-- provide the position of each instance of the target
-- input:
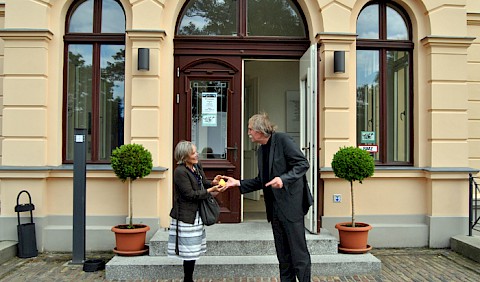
(275, 183)
(231, 182)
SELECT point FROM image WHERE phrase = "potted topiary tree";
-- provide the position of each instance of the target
(130, 162)
(353, 164)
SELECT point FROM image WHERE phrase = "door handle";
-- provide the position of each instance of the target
(234, 153)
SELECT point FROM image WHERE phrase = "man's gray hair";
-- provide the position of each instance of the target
(182, 151)
(261, 122)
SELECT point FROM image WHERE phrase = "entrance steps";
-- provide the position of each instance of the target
(239, 250)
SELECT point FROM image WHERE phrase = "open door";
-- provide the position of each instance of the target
(308, 126)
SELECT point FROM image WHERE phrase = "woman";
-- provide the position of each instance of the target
(187, 238)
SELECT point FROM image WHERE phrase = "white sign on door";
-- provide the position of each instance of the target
(209, 109)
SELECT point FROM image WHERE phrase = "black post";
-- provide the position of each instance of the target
(470, 200)
(79, 194)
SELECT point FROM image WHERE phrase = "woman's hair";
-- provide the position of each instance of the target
(261, 122)
(182, 151)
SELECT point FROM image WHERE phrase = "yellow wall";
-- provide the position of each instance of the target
(446, 108)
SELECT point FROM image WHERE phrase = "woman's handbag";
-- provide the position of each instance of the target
(209, 210)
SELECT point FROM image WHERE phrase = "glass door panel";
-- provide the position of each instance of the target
(209, 118)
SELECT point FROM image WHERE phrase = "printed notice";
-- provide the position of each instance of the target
(209, 103)
(209, 120)
(209, 109)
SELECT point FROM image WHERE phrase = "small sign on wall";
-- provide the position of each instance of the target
(369, 148)
(367, 137)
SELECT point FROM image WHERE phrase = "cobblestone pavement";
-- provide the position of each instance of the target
(415, 264)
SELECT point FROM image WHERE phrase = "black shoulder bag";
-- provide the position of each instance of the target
(209, 208)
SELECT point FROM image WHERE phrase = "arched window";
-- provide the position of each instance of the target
(94, 69)
(241, 18)
(384, 82)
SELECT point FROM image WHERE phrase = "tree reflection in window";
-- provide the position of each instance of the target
(263, 18)
(95, 74)
(384, 92)
(274, 18)
(209, 17)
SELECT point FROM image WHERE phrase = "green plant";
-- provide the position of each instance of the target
(353, 164)
(130, 162)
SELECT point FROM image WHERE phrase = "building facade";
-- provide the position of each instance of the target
(401, 77)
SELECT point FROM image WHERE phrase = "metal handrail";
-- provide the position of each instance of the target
(473, 205)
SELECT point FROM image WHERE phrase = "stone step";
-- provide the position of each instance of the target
(8, 249)
(215, 267)
(246, 239)
(239, 250)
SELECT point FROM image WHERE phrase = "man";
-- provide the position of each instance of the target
(281, 175)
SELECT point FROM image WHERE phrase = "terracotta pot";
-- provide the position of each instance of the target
(130, 241)
(353, 239)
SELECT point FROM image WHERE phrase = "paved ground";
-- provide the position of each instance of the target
(397, 265)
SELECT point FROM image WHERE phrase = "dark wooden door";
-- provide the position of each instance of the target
(207, 111)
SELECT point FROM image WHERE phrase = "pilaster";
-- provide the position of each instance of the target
(25, 92)
(337, 101)
(447, 101)
(142, 96)
(145, 119)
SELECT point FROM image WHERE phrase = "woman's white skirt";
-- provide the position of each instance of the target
(192, 239)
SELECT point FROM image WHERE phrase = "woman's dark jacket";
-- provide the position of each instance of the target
(188, 193)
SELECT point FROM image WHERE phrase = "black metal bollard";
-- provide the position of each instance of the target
(27, 242)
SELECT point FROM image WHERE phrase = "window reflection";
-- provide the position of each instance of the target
(396, 26)
(79, 99)
(368, 97)
(209, 17)
(263, 18)
(112, 92)
(82, 18)
(398, 130)
(367, 23)
(95, 88)
(274, 18)
(113, 17)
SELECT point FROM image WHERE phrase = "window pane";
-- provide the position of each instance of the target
(274, 18)
(396, 26)
(79, 95)
(209, 17)
(112, 93)
(209, 118)
(367, 23)
(113, 17)
(368, 99)
(82, 18)
(398, 129)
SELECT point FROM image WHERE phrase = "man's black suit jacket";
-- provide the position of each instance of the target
(287, 162)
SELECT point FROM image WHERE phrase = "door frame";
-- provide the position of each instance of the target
(227, 68)
(219, 48)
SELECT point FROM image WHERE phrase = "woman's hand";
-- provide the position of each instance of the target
(213, 189)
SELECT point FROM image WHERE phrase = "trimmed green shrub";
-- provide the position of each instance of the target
(353, 164)
(130, 162)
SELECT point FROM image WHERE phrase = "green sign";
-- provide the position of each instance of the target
(367, 137)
